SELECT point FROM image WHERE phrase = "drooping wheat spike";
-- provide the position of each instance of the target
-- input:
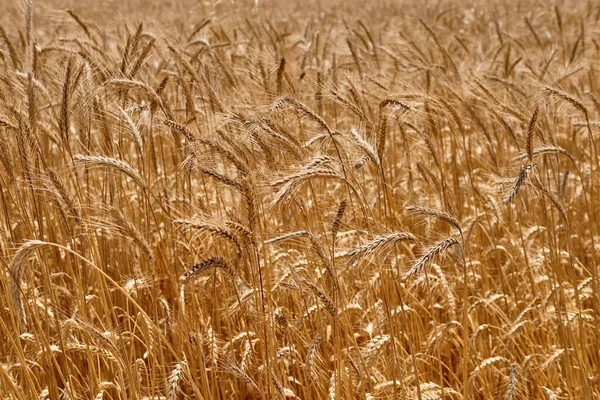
(211, 228)
(531, 134)
(11, 49)
(212, 262)
(287, 236)
(319, 249)
(395, 103)
(346, 103)
(175, 377)
(378, 246)
(283, 135)
(229, 155)
(131, 46)
(281, 390)
(332, 386)
(382, 134)
(287, 190)
(534, 33)
(511, 387)
(447, 289)
(281, 318)
(141, 58)
(375, 345)
(252, 205)
(125, 84)
(356, 98)
(303, 109)
(63, 194)
(184, 63)
(429, 255)
(130, 231)
(257, 137)
(180, 128)
(317, 162)
(563, 184)
(29, 24)
(6, 160)
(33, 114)
(222, 178)
(431, 390)
(113, 163)
(547, 149)
(159, 90)
(325, 259)
(319, 138)
(380, 387)
(200, 78)
(435, 213)
(168, 314)
(232, 368)
(355, 56)
(360, 163)
(371, 153)
(7, 124)
(485, 364)
(329, 306)
(280, 72)
(238, 228)
(554, 201)
(518, 183)
(17, 269)
(82, 24)
(134, 129)
(337, 221)
(566, 97)
(311, 354)
(198, 28)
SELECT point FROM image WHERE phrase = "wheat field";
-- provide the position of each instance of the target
(317, 200)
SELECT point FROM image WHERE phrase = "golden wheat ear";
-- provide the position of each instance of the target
(429, 255)
(17, 271)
